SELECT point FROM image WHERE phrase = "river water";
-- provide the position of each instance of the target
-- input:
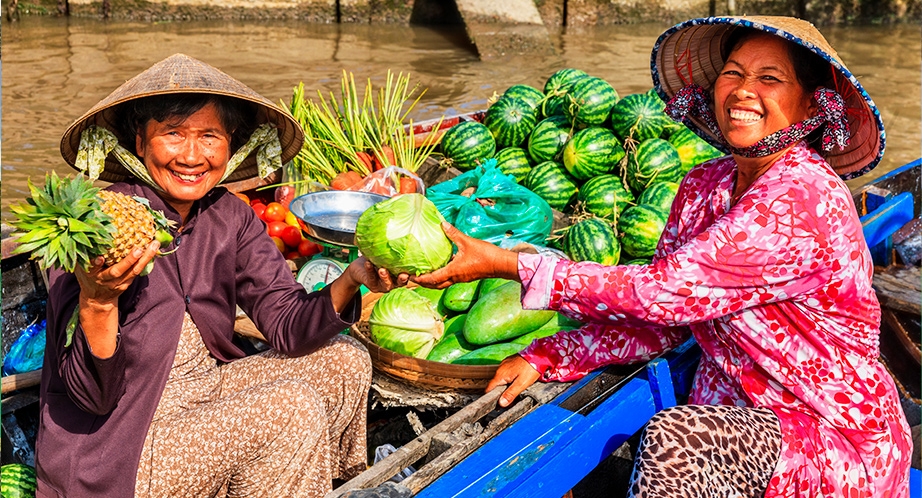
(54, 69)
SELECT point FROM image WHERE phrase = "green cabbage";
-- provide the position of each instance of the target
(406, 323)
(404, 235)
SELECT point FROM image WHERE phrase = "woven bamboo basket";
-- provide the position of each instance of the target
(421, 373)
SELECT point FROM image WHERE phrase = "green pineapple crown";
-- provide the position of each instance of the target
(62, 224)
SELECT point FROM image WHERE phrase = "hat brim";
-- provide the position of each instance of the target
(181, 74)
(690, 52)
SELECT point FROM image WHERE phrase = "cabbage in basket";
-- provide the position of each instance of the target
(405, 322)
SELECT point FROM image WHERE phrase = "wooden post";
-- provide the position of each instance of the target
(14, 382)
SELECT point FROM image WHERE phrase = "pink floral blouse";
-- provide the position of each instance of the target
(776, 290)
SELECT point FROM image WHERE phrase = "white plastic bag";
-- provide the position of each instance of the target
(386, 449)
(387, 181)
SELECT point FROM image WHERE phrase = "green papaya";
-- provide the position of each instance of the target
(488, 284)
(455, 325)
(498, 316)
(452, 345)
(489, 355)
(460, 296)
(556, 324)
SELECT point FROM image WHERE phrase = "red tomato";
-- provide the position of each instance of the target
(277, 228)
(308, 247)
(280, 244)
(292, 255)
(291, 235)
(260, 210)
(242, 197)
(275, 212)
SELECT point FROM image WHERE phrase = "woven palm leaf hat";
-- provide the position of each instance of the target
(179, 74)
(690, 53)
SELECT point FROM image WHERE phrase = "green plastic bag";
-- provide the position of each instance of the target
(497, 209)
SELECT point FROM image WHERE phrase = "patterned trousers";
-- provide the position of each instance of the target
(265, 425)
(707, 451)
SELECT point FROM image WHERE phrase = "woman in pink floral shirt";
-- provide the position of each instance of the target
(762, 261)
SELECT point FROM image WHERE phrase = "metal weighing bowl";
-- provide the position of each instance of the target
(331, 215)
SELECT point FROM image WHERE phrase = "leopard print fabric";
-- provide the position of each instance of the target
(714, 451)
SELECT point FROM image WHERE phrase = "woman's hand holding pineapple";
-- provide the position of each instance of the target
(100, 287)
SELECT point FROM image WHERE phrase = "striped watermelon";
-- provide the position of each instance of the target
(529, 94)
(553, 106)
(562, 80)
(605, 196)
(552, 183)
(513, 161)
(17, 480)
(671, 128)
(590, 101)
(659, 195)
(591, 152)
(556, 89)
(640, 228)
(548, 138)
(593, 239)
(639, 116)
(510, 119)
(692, 149)
(654, 160)
(467, 144)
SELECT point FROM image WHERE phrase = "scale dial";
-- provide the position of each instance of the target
(320, 271)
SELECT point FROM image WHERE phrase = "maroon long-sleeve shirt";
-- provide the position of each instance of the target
(95, 413)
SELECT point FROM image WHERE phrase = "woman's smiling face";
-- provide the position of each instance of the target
(757, 92)
(186, 158)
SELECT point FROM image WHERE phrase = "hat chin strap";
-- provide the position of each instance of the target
(692, 101)
(97, 143)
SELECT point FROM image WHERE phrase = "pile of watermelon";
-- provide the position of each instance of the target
(613, 164)
(17, 480)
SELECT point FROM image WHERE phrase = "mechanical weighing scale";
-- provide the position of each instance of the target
(328, 217)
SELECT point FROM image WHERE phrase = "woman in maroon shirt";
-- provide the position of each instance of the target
(152, 396)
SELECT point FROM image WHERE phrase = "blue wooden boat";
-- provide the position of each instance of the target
(550, 450)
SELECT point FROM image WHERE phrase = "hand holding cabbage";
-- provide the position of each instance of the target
(404, 235)
(475, 259)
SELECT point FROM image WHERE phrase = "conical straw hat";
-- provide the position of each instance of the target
(180, 73)
(690, 52)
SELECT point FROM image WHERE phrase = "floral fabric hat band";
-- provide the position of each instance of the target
(692, 101)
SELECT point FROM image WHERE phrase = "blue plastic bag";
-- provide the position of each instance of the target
(498, 209)
(28, 352)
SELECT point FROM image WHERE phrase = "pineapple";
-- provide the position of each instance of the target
(69, 223)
